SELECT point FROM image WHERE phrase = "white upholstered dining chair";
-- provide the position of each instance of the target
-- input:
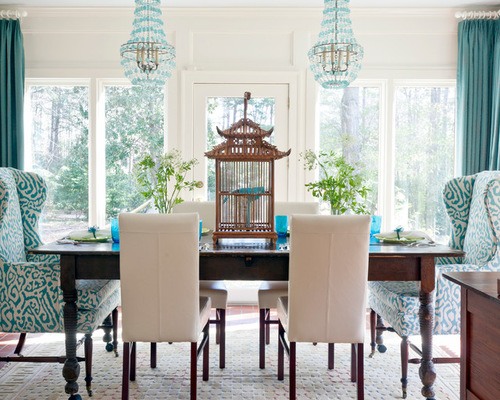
(269, 291)
(216, 290)
(159, 276)
(327, 287)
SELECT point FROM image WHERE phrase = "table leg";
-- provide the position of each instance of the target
(427, 372)
(71, 368)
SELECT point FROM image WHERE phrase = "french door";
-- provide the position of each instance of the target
(220, 105)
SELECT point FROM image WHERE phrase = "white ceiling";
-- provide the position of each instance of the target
(466, 4)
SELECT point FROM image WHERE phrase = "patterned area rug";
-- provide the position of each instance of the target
(241, 379)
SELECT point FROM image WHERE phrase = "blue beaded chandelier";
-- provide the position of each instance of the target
(147, 58)
(336, 58)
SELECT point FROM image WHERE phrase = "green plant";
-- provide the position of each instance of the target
(340, 184)
(162, 179)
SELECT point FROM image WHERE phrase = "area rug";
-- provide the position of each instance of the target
(241, 379)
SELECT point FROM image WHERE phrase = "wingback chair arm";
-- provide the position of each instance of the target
(28, 272)
(26, 267)
(31, 290)
(448, 260)
(43, 258)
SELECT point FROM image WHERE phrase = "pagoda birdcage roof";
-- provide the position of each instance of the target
(245, 141)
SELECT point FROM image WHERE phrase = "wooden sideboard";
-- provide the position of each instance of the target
(480, 335)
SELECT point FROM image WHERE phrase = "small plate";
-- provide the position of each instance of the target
(102, 236)
(404, 239)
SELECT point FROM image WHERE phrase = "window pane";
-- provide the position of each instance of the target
(349, 125)
(134, 127)
(58, 121)
(222, 112)
(424, 129)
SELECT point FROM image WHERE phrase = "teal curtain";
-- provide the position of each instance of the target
(11, 94)
(478, 95)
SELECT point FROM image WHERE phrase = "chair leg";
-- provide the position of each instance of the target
(88, 348)
(193, 370)
(293, 370)
(107, 326)
(404, 365)
(268, 326)
(114, 317)
(360, 372)
(281, 352)
(133, 361)
(217, 326)
(262, 338)
(373, 324)
(222, 338)
(206, 349)
(152, 360)
(20, 343)
(354, 367)
(126, 370)
(331, 355)
(379, 339)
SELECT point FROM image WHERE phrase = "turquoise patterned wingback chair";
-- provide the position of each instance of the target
(473, 205)
(30, 295)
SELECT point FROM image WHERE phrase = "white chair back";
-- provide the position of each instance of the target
(328, 278)
(205, 209)
(159, 275)
(295, 207)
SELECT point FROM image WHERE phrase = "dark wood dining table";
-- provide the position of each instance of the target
(240, 259)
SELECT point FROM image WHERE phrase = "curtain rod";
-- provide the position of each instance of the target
(478, 14)
(12, 14)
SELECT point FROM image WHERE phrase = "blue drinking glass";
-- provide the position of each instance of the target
(281, 224)
(201, 227)
(115, 230)
(376, 222)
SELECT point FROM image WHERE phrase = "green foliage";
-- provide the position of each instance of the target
(340, 184)
(162, 179)
(134, 127)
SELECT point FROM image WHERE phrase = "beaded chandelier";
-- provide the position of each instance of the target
(336, 58)
(147, 58)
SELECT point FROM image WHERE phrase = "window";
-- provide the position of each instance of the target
(424, 128)
(57, 148)
(90, 175)
(134, 127)
(350, 125)
(219, 106)
(406, 164)
(222, 112)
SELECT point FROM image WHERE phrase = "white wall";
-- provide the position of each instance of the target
(85, 42)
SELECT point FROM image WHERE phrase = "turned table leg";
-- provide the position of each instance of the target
(71, 368)
(427, 372)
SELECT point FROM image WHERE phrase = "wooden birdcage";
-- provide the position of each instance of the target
(244, 181)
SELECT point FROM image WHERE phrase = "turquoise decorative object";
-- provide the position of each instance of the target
(336, 57)
(147, 58)
(93, 230)
(398, 231)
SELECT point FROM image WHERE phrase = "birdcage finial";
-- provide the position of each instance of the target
(246, 97)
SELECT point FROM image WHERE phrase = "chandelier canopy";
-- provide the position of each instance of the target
(147, 58)
(336, 58)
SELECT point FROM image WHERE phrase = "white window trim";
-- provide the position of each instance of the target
(296, 123)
